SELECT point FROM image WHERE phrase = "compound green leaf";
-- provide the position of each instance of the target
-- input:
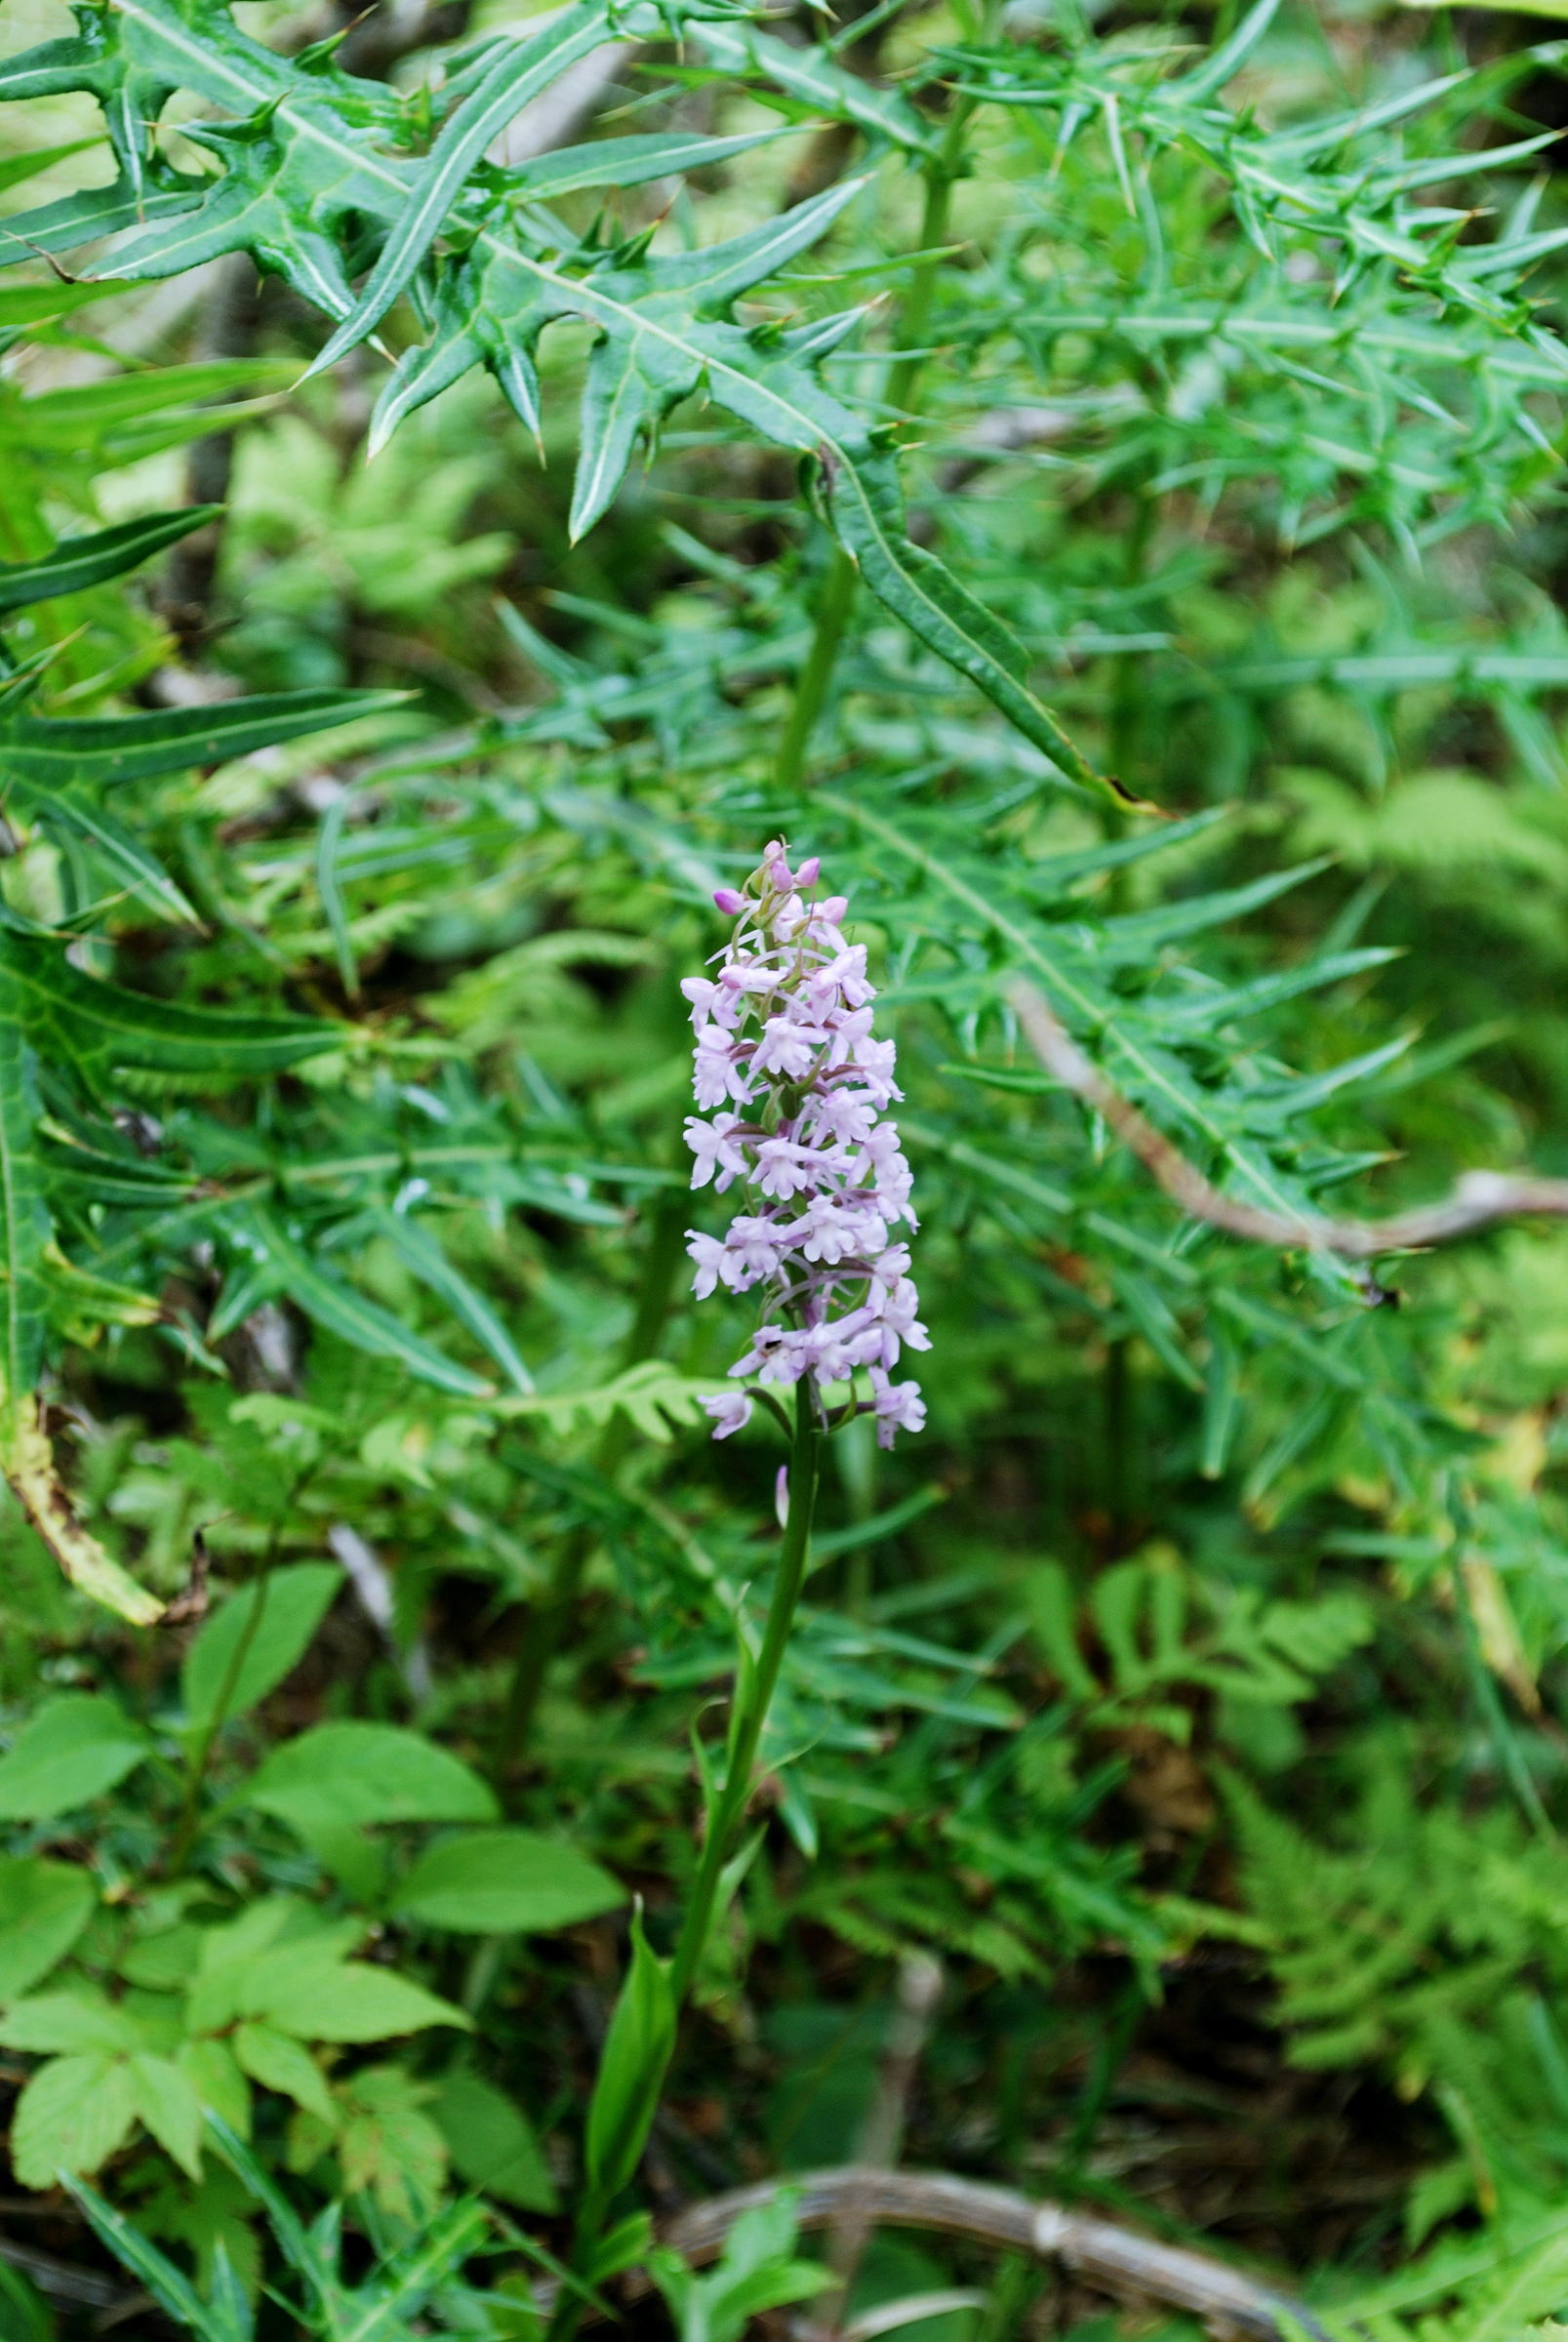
(280, 2063)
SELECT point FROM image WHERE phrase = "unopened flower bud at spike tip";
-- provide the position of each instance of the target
(796, 1083)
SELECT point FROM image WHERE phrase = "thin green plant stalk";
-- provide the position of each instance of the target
(199, 1754)
(748, 1716)
(753, 1696)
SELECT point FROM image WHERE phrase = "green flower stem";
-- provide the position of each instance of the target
(546, 1624)
(754, 1697)
(838, 588)
(748, 1714)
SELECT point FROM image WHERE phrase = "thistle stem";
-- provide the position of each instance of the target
(837, 601)
(832, 617)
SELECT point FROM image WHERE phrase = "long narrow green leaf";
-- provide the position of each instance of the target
(24, 1220)
(363, 1324)
(103, 1027)
(629, 162)
(76, 810)
(19, 167)
(42, 749)
(79, 219)
(119, 397)
(80, 561)
(173, 2292)
(419, 1251)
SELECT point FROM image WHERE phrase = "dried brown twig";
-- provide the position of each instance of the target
(1479, 1200)
(1114, 2258)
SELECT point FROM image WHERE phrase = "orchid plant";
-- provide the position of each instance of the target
(784, 1037)
(797, 1086)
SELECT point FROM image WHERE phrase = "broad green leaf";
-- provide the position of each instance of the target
(503, 1882)
(356, 2002)
(493, 2143)
(44, 1906)
(280, 2063)
(73, 1749)
(361, 1772)
(636, 2054)
(80, 561)
(254, 1639)
(215, 2076)
(73, 2115)
(70, 2021)
(168, 2105)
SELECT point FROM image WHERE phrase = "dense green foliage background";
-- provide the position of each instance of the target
(1194, 1690)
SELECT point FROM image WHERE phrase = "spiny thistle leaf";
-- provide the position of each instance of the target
(305, 163)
